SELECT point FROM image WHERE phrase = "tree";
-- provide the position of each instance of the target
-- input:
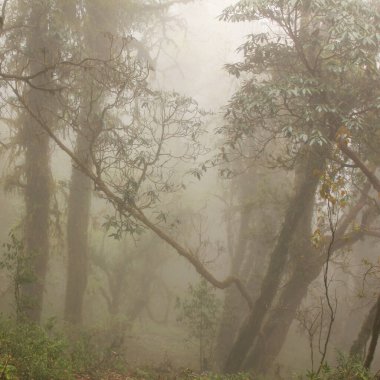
(133, 153)
(101, 22)
(60, 81)
(257, 202)
(199, 312)
(309, 80)
(39, 47)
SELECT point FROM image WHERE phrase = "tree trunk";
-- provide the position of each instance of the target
(77, 235)
(309, 264)
(358, 348)
(233, 305)
(38, 174)
(306, 185)
(374, 336)
(37, 201)
(80, 187)
(275, 330)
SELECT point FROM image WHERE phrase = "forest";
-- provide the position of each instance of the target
(189, 189)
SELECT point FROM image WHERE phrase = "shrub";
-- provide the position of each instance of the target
(199, 311)
(28, 352)
(348, 368)
(97, 351)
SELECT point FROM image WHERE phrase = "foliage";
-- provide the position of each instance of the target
(346, 369)
(18, 266)
(7, 371)
(199, 312)
(308, 75)
(186, 374)
(95, 352)
(30, 352)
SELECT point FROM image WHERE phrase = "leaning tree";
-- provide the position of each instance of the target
(309, 91)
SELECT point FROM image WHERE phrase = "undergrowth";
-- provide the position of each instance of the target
(32, 352)
(29, 352)
(347, 368)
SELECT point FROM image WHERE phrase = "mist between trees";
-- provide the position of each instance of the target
(189, 188)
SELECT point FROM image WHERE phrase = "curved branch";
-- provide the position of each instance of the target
(128, 209)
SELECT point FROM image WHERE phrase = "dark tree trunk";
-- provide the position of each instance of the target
(77, 235)
(38, 174)
(309, 264)
(374, 337)
(306, 185)
(37, 201)
(358, 347)
(273, 335)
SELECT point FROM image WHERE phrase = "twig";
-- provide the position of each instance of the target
(333, 228)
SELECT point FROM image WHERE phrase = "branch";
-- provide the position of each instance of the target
(350, 217)
(333, 310)
(375, 182)
(130, 210)
(368, 217)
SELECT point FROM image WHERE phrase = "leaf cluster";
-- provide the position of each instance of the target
(313, 70)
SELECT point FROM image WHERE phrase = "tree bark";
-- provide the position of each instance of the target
(374, 337)
(77, 235)
(79, 204)
(38, 174)
(306, 185)
(275, 330)
(358, 347)
(309, 265)
(37, 201)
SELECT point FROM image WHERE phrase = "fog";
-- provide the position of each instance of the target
(189, 189)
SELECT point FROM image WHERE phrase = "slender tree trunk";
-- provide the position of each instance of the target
(77, 235)
(80, 186)
(306, 185)
(38, 174)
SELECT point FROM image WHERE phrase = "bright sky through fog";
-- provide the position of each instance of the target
(203, 49)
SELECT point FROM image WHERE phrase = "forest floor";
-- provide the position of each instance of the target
(163, 346)
(166, 350)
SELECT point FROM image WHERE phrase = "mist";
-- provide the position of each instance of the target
(189, 189)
